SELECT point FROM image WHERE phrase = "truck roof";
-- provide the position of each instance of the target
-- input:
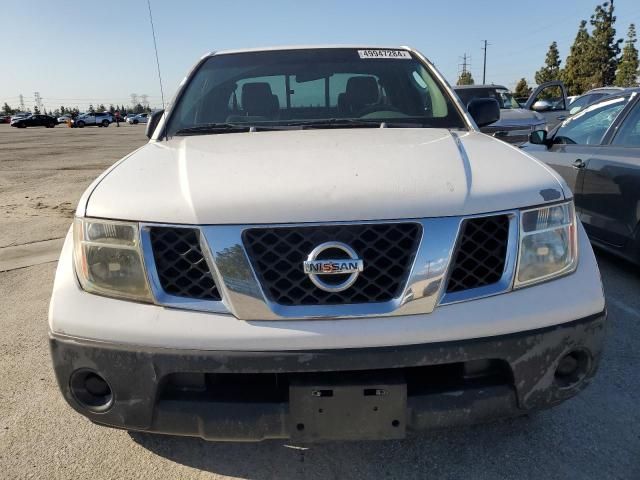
(464, 87)
(308, 47)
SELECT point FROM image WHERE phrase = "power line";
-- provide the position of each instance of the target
(466, 61)
(38, 100)
(155, 46)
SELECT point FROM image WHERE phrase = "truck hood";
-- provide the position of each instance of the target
(518, 117)
(319, 176)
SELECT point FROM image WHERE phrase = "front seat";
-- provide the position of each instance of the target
(361, 92)
(258, 100)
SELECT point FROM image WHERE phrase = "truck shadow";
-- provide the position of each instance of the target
(439, 453)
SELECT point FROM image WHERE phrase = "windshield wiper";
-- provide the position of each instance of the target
(358, 123)
(301, 124)
(225, 128)
(336, 122)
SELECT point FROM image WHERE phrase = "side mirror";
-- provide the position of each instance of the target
(539, 137)
(484, 111)
(541, 106)
(152, 122)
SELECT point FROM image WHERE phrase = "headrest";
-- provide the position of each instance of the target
(257, 98)
(362, 91)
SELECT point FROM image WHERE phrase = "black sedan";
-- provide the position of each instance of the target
(35, 121)
(597, 152)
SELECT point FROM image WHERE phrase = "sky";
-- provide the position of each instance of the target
(75, 52)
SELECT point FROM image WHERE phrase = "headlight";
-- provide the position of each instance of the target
(548, 243)
(108, 259)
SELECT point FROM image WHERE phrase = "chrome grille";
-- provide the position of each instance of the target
(480, 256)
(387, 249)
(181, 266)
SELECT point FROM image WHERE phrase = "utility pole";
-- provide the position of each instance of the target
(21, 102)
(484, 68)
(144, 100)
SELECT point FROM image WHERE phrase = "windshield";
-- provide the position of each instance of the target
(506, 99)
(312, 86)
(503, 96)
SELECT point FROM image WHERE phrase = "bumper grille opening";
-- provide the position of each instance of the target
(480, 257)
(181, 266)
(387, 249)
(274, 387)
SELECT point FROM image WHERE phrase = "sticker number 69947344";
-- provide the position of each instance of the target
(393, 54)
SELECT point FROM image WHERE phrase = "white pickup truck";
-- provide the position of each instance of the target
(318, 243)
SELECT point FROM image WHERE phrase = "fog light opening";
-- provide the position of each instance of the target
(572, 369)
(91, 390)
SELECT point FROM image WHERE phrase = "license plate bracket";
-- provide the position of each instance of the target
(347, 408)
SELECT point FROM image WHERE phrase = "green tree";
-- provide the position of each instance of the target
(522, 88)
(577, 69)
(6, 109)
(138, 108)
(627, 73)
(465, 78)
(551, 69)
(112, 109)
(604, 48)
(36, 110)
(101, 108)
(91, 109)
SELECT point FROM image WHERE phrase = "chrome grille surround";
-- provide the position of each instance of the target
(243, 295)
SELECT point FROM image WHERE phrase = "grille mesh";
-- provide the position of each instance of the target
(387, 249)
(481, 254)
(181, 267)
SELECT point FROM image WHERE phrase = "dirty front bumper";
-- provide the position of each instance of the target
(343, 394)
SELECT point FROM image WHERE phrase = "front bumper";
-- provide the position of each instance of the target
(255, 395)
(516, 135)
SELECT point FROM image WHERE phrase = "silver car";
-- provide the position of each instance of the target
(582, 101)
(515, 123)
(140, 118)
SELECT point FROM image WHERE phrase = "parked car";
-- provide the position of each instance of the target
(34, 121)
(345, 258)
(103, 119)
(570, 99)
(515, 123)
(550, 100)
(19, 115)
(597, 152)
(64, 118)
(139, 118)
(587, 98)
(5, 118)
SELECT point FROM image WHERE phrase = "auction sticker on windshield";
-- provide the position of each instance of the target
(402, 54)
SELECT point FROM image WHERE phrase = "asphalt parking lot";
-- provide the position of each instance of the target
(42, 174)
